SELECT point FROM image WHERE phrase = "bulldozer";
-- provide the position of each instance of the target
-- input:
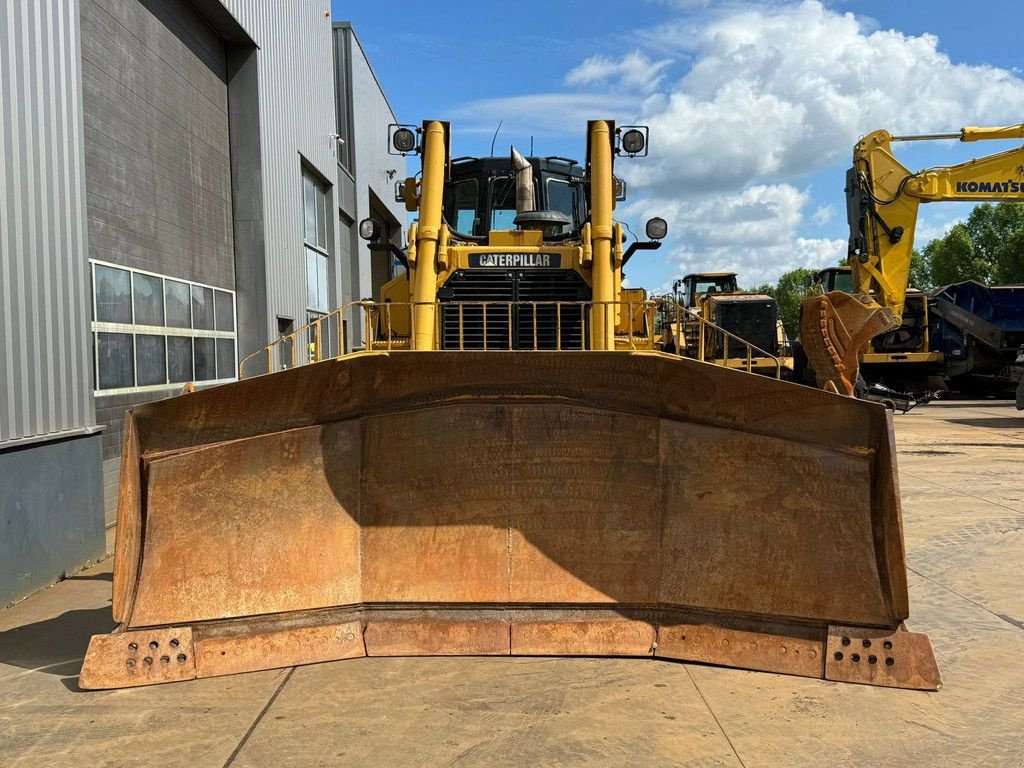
(877, 321)
(508, 468)
(719, 323)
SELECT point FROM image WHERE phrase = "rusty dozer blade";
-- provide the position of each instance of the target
(509, 503)
(834, 328)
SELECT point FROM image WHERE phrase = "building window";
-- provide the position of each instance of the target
(153, 332)
(314, 210)
(343, 97)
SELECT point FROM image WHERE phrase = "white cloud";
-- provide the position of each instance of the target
(540, 114)
(632, 71)
(774, 94)
(823, 215)
(785, 91)
(754, 232)
(759, 97)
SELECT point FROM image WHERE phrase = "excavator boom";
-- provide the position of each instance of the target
(883, 198)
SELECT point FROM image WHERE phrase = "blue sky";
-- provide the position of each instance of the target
(753, 106)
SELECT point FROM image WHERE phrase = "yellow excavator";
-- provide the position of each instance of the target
(509, 468)
(899, 368)
(883, 197)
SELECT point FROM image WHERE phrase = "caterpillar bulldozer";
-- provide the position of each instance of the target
(508, 468)
(871, 322)
(719, 323)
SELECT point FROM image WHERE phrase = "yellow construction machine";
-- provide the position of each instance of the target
(719, 323)
(838, 327)
(900, 368)
(509, 468)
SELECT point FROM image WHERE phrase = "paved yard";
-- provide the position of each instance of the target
(960, 472)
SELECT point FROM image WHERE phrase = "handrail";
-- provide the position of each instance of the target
(316, 341)
(488, 325)
(703, 324)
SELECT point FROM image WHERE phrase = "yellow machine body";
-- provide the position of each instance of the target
(440, 495)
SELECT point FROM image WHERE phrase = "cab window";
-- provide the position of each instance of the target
(462, 210)
(564, 197)
(843, 281)
(503, 203)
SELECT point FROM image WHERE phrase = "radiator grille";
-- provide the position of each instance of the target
(511, 323)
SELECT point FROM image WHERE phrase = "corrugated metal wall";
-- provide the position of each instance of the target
(297, 116)
(46, 378)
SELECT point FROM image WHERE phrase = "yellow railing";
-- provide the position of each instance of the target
(501, 325)
(321, 339)
(692, 336)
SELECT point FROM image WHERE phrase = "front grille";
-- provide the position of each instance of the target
(751, 320)
(497, 299)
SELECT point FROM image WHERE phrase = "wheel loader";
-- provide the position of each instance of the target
(508, 468)
(752, 336)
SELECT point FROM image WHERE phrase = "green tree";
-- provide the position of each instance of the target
(988, 247)
(788, 293)
(997, 233)
(920, 272)
(953, 258)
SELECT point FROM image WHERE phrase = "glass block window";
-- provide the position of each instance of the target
(154, 332)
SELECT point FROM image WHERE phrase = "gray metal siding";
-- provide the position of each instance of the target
(45, 380)
(297, 116)
(376, 171)
(51, 519)
(158, 177)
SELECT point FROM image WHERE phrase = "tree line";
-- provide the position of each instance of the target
(988, 247)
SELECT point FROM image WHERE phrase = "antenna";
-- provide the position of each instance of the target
(495, 137)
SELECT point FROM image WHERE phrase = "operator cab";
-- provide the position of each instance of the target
(481, 197)
(697, 285)
(835, 279)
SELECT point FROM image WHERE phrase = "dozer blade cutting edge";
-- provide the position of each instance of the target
(509, 503)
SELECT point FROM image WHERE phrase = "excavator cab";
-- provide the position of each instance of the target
(508, 468)
(834, 279)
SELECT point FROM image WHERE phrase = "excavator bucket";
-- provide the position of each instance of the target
(834, 328)
(509, 503)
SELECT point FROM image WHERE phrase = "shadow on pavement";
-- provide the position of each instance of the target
(1010, 422)
(58, 643)
(952, 402)
(107, 576)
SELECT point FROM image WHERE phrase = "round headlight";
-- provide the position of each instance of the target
(657, 228)
(633, 141)
(403, 140)
(369, 229)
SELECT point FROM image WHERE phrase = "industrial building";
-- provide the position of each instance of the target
(181, 180)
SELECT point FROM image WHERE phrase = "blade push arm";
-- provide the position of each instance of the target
(883, 199)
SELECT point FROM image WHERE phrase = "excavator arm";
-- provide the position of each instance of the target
(883, 198)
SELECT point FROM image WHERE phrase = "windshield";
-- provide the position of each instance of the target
(503, 203)
(842, 281)
(718, 285)
(564, 198)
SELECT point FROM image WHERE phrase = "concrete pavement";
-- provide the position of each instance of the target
(960, 472)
